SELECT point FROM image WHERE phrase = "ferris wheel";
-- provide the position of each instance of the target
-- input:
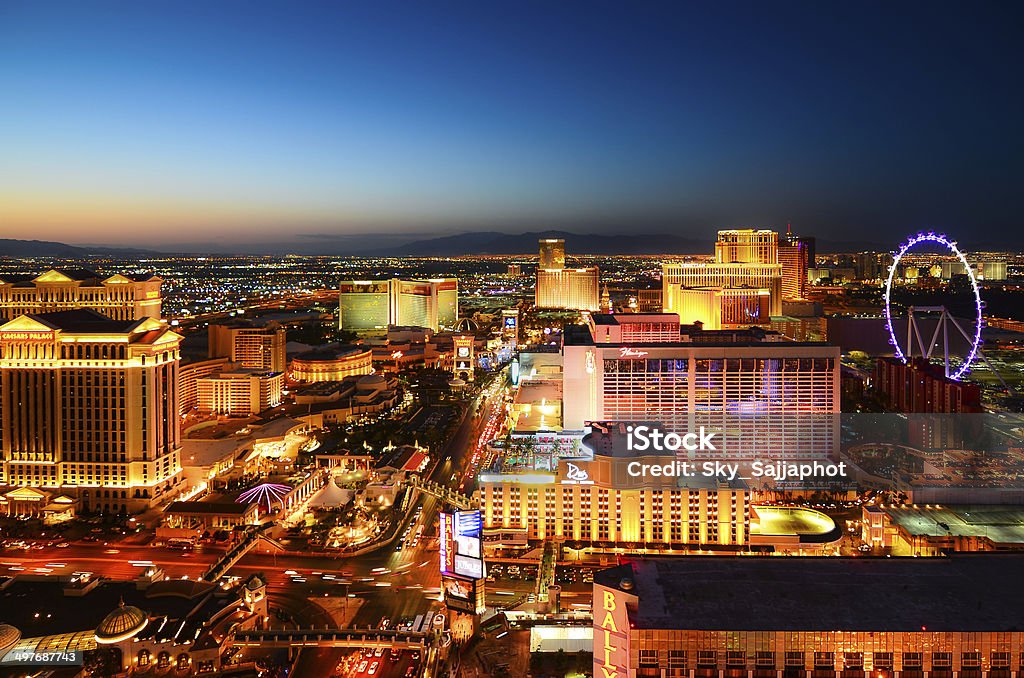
(915, 341)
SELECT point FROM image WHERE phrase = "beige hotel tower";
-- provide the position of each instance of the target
(89, 408)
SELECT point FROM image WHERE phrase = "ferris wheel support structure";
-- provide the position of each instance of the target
(945, 318)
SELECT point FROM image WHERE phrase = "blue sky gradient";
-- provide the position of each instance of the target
(162, 123)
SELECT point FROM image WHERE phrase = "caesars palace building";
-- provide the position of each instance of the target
(88, 395)
(121, 297)
(794, 617)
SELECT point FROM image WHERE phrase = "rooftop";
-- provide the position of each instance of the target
(692, 336)
(83, 320)
(725, 593)
(332, 352)
(535, 390)
(1001, 524)
(633, 318)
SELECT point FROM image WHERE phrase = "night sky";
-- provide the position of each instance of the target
(177, 124)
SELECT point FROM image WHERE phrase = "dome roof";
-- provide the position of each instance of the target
(124, 622)
(255, 582)
(8, 637)
(467, 325)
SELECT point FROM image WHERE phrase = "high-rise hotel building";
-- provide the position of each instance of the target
(568, 289)
(795, 257)
(253, 347)
(120, 297)
(552, 253)
(767, 397)
(90, 408)
(371, 306)
(745, 259)
(747, 246)
(565, 288)
(591, 500)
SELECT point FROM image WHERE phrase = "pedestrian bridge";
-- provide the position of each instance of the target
(442, 492)
(252, 535)
(354, 638)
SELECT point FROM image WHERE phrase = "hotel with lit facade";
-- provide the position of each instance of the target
(120, 297)
(366, 306)
(768, 396)
(747, 246)
(332, 363)
(565, 288)
(568, 289)
(252, 346)
(770, 617)
(90, 408)
(591, 501)
(239, 393)
(795, 255)
(552, 253)
(719, 308)
(744, 259)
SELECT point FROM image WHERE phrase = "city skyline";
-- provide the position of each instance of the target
(148, 126)
(405, 340)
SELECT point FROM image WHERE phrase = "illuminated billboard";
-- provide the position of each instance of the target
(464, 595)
(611, 632)
(460, 544)
(469, 567)
(446, 546)
(468, 533)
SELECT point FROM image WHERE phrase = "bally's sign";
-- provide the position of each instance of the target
(611, 634)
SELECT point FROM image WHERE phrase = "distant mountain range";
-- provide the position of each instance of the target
(576, 243)
(45, 248)
(472, 243)
(526, 243)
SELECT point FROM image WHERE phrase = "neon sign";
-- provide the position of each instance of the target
(574, 475)
(446, 544)
(28, 336)
(611, 636)
(627, 352)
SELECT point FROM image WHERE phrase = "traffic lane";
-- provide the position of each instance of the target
(388, 664)
(488, 428)
(128, 559)
(318, 662)
(455, 452)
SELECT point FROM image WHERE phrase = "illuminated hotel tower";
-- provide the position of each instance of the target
(90, 408)
(552, 253)
(745, 258)
(772, 398)
(253, 347)
(369, 306)
(794, 255)
(565, 288)
(118, 296)
(747, 246)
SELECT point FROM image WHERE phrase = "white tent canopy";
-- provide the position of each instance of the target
(330, 495)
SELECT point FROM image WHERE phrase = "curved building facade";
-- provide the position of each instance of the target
(332, 363)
